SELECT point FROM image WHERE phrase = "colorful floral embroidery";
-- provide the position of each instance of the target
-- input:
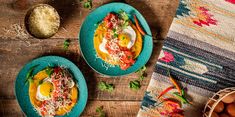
(198, 15)
(203, 17)
(167, 57)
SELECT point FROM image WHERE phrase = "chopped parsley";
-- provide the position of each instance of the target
(103, 86)
(135, 85)
(125, 24)
(129, 57)
(141, 73)
(114, 30)
(29, 75)
(100, 111)
(115, 35)
(123, 15)
(49, 71)
(66, 44)
(87, 4)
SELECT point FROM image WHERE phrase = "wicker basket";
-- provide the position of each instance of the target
(217, 97)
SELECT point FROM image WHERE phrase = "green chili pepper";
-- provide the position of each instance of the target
(183, 92)
(185, 101)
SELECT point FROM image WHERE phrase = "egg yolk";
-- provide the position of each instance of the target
(46, 88)
(124, 39)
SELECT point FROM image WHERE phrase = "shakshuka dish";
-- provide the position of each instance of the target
(53, 92)
(117, 40)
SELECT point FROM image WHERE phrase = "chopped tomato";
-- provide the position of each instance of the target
(110, 50)
(43, 113)
(57, 69)
(109, 19)
(109, 25)
(124, 66)
(107, 35)
(123, 48)
(56, 82)
(127, 58)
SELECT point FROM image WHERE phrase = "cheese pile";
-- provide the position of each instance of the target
(43, 21)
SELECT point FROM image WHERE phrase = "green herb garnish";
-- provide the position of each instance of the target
(125, 24)
(123, 15)
(49, 71)
(141, 72)
(114, 30)
(128, 57)
(29, 75)
(103, 86)
(115, 35)
(66, 44)
(141, 77)
(100, 111)
(135, 85)
(88, 4)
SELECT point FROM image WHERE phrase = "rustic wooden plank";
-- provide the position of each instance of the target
(10, 108)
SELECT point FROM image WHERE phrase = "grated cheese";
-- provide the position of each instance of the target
(44, 21)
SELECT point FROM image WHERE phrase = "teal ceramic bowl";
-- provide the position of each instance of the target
(21, 90)
(87, 33)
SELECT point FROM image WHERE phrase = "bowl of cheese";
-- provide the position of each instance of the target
(42, 21)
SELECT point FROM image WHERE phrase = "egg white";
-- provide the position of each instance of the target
(102, 46)
(71, 83)
(131, 33)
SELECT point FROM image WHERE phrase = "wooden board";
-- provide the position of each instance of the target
(18, 48)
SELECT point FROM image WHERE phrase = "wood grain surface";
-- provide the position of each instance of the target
(17, 48)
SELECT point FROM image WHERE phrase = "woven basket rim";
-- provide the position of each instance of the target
(217, 101)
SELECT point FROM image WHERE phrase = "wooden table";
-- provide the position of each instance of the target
(17, 48)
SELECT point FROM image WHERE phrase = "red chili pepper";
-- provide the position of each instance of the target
(138, 26)
(172, 103)
(165, 91)
(176, 85)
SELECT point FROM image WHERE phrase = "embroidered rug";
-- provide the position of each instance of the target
(199, 52)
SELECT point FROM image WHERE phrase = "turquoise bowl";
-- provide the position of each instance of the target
(21, 90)
(87, 33)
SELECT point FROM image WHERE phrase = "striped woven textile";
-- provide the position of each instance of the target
(199, 53)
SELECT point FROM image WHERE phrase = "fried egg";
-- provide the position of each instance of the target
(102, 46)
(127, 38)
(44, 90)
